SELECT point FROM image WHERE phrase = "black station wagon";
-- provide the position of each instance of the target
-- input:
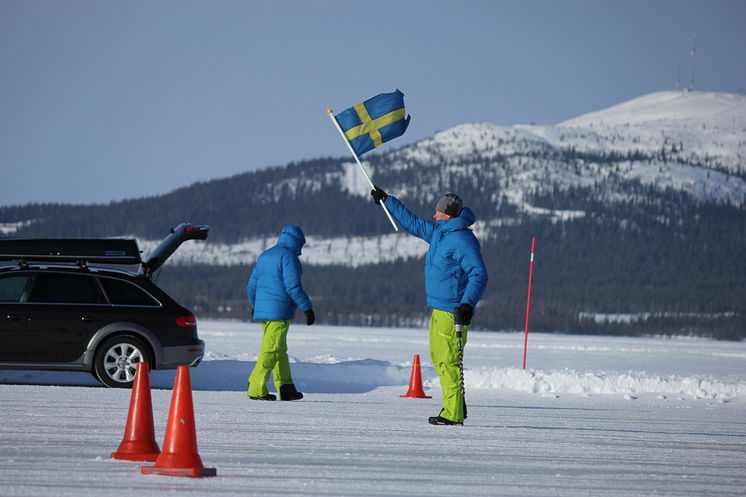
(63, 307)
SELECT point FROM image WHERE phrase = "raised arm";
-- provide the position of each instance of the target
(414, 225)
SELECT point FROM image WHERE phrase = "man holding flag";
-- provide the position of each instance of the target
(455, 278)
(455, 275)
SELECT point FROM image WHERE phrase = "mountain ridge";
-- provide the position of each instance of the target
(668, 202)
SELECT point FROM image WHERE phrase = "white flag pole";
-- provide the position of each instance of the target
(357, 159)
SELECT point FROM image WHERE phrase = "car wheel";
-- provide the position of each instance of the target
(116, 360)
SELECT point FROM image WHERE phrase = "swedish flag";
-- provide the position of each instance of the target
(372, 123)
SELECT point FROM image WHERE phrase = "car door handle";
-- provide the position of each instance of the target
(88, 319)
(16, 317)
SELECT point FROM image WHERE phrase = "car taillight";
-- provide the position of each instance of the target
(186, 321)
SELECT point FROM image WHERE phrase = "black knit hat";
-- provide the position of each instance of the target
(450, 204)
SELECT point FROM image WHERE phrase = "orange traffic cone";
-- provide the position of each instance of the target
(415, 382)
(139, 442)
(179, 456)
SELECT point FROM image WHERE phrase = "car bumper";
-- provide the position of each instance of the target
(182, 355)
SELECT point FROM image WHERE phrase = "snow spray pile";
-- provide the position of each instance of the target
(601, 382)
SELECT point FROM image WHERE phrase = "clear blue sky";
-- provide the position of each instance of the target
(103, 100)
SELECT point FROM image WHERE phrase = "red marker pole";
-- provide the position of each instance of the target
(528, 300)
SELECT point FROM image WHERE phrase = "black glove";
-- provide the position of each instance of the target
(378, 195)
(463, 314)
(310, 317)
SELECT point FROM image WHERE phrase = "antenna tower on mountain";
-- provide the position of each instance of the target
(693, 53)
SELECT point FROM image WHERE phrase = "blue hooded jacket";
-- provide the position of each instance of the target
(274, 288)
(454, 270)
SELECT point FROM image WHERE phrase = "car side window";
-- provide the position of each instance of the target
(13, 288)
(125, 293)
(60, 288)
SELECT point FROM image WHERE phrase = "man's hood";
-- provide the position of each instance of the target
(292, 237)
(463, 221)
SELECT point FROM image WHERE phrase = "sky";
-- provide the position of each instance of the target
(106, 100)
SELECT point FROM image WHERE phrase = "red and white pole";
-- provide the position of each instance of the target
(528, 300)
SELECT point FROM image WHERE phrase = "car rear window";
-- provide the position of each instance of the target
(12, 287)
(125, 293)
(61, 288)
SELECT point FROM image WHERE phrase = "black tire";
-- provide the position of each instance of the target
(116, 360)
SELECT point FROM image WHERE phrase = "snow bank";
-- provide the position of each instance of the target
(365, 375)
(330, 375)
(601, 382)
(338, 359)
(331, 359)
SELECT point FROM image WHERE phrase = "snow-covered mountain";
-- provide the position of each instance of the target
(692, 143)
(703, 127)
(689, 143)
(640, 210)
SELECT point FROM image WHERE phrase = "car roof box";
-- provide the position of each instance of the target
(70, 250)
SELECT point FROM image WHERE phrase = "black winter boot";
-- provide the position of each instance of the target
(269, 396)
(288, 392)
(440, 420)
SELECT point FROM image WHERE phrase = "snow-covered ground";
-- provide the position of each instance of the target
(591, 416)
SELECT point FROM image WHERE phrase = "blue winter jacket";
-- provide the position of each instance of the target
(454, 270)
(274, 288)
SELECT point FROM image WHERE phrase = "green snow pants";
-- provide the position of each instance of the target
(273, 358)
(444, 352)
